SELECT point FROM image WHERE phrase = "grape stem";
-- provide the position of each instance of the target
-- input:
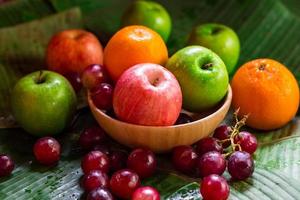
(234, 132)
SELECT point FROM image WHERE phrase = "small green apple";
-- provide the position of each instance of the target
(220, 39)
(150, 14)
(43, 103)
(202, 76)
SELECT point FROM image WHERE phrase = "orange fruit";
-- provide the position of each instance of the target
(133, 45)
(267, 91)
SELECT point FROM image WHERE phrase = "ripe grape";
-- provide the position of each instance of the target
(247, 141)
(240, 165)
(184, 159)
(214, 187)
(95, 179)
(91, 137)
(99, 194)
(211, 163)
(95, 160)
(47, 150)
(143, 162)
(94, 75)
(6, 165)
(102, 96)
(208, 144)
(124, 182)
(222, 133)
(146, 193)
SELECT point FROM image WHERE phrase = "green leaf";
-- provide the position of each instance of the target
(101, 17)
(285, 157)
(167, 183)
(265, 184)
(188, 192)
(15, 12)
(22, 51)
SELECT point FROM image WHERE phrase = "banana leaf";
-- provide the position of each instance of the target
(267, 28)
(101, 17)
(15, 12)
(22, 51)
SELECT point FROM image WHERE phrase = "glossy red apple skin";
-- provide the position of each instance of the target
(147, 94)
(72, 51)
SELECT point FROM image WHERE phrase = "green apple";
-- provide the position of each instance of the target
(150, 14)
(220, 39)
(43, 103)
(202, 76)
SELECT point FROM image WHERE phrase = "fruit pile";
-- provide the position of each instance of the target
(134, 80)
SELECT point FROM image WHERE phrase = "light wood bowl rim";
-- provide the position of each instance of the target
(226, 103)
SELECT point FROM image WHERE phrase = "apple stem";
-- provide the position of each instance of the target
(207, 66)
(154, 83)
(40, 77)
(216, 30)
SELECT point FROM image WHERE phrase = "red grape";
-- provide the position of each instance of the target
(94, 75)
(211, 163)
(102, 96)
(95, 179)
(124, 182)
(240, 165)
(91, 137)
(214, 187)
(99, 194)
(222, 133)
(104, 148)
(247, 141)
(6, 165)
(146, 193)
(184, 159)
(143, 162)
(208, 144)
(47, 150)
(95, 160)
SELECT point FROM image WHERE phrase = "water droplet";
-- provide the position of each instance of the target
(27, 190)
(50, 176)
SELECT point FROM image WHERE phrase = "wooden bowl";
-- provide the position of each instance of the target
(163, 138)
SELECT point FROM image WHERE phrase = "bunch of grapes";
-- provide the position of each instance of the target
(228, 148)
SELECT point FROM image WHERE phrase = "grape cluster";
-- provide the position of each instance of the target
(228, 148)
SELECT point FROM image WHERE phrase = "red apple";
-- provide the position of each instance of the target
(72, 51)
(147, 94)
